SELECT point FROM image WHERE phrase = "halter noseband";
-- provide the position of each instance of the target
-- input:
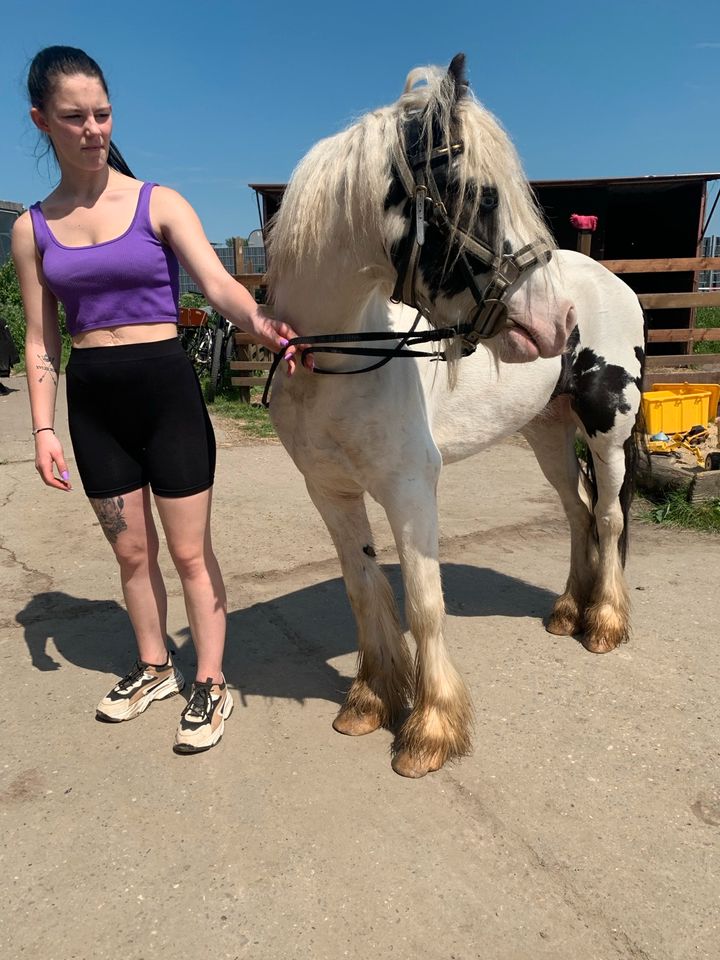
(414, 167)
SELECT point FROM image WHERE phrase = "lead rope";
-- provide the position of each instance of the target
(406, 339)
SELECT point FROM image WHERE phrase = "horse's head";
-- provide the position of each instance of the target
(462, 228)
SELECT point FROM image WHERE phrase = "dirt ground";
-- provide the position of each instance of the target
(586, 823)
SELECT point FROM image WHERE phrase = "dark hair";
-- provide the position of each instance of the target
(53, 62)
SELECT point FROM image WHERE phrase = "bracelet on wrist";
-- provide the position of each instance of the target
(40, 430)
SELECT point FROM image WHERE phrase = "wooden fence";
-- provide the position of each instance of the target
(250, 368)
(254, 362)
(668, 301)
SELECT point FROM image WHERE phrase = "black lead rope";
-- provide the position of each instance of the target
(408, 338)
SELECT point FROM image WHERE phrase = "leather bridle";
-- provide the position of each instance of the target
(414, 168)
(414, 172)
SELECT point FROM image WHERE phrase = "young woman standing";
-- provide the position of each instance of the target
(107, 246)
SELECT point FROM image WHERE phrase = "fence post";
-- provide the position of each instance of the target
(585, 226)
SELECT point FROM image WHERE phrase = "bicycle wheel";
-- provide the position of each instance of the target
(198, 344)
(216, 363)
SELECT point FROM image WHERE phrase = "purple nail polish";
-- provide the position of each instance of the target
(283, 342)
(65, 475)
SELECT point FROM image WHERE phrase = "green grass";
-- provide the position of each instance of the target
(707, 317)
(253, 418)
(675, 510)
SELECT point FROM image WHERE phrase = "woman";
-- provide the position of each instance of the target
(107, 246)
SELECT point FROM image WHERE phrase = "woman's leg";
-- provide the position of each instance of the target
(186, 521)
(127, 523)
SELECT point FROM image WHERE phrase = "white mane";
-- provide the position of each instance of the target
(335, 198)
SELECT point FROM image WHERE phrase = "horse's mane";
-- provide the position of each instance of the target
(336, 194)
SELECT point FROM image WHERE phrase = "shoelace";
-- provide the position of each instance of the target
(199, 703)
(135, 674)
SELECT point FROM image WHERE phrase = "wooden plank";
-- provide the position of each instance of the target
(706, 487)
(683, 360)
(669, 301)
(683, 335)
(663, 265)
(250, 364)
(248, 381)
(658, 474)
(256, 278)
(248, 340)
(681, 375)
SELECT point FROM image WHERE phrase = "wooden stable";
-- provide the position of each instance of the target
(648, 232)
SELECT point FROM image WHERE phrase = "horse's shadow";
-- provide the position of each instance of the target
(279, 648)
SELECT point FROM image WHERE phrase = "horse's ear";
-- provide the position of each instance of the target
(457, 76)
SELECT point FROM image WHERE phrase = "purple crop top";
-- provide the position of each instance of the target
(131, 279)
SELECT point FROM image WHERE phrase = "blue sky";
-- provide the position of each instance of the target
(210, 96)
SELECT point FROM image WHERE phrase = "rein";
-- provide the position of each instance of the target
(407, 338)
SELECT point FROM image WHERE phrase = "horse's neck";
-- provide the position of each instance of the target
(333, 298)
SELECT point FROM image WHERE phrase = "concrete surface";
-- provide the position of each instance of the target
(585, 825)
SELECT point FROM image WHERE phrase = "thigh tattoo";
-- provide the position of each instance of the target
(110, 514)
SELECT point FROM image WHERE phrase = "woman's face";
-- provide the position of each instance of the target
(78, 120)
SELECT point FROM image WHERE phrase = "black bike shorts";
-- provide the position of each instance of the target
(137, 416)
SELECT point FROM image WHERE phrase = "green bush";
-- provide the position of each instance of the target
(11, 309)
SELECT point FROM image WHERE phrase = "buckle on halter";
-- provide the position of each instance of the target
(488, 321)
(420, 198)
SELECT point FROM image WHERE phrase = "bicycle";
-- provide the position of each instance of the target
(207, 338)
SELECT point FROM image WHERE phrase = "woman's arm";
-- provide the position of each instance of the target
(180, 227)
(42, 352)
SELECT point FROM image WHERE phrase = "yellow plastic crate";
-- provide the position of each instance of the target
(668, 411)
(685, 388)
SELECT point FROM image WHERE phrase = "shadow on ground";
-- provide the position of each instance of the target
(278, 648)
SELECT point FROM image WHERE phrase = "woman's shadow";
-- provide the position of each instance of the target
(279, 648)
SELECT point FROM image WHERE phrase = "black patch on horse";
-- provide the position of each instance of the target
(598, 393)
(596, 388)
(565, 383)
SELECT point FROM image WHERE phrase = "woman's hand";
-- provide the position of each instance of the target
(48, 452)
(275, 334)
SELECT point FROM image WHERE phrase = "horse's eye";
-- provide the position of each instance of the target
(488, 199)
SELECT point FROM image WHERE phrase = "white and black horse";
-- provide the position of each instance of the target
(425, 202)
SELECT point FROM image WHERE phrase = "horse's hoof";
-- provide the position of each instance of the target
(407, 765)
(562, 626)
(354, 724)
(603, 644)
(566, 618)
(604, 629)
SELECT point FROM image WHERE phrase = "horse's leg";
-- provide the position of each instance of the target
(607, 618)
(383, 684)
(552, 438)
(439, 727)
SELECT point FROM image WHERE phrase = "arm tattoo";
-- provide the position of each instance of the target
(110, 514)
(48, 366)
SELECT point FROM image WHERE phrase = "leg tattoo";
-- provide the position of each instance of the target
(109, 513)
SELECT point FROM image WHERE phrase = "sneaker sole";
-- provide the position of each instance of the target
(163, 691)
(187, 748)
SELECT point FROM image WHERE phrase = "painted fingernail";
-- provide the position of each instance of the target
(65, 475)
(283, 342)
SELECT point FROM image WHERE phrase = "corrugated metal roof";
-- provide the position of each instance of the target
(581, 182)
(650, 178)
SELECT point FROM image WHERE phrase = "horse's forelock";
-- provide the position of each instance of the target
(336, 194)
